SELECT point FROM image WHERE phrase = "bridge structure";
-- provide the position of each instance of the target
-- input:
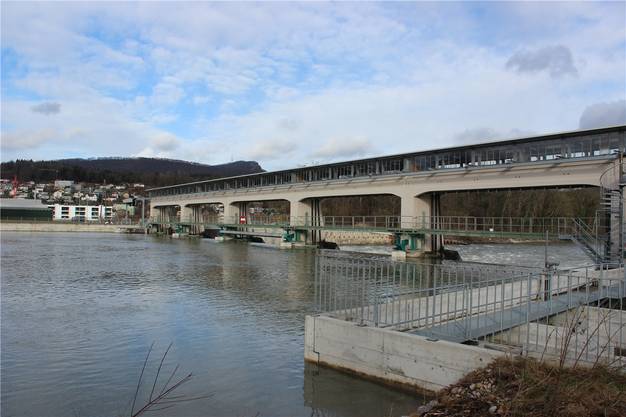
(560, 160)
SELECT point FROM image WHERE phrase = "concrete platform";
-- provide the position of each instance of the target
(390, 356)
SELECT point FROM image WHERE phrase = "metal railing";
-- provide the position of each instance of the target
(383, 293)
(578, 313)
(587, 237)
(479, 226)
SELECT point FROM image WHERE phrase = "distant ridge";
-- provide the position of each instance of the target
(148, 171)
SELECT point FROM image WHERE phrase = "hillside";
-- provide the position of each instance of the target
(149, 171)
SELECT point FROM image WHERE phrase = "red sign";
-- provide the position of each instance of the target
(242, 219)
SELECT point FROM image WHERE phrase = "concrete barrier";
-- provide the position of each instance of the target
(390, 356)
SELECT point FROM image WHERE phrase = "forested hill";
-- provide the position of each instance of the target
(152, 172)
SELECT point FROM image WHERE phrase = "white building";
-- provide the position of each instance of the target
(63, 183)
(81, 213)
(89, 197)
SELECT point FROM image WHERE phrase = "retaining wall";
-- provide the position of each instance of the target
(390, 356)
(58, 227)
(358, 238)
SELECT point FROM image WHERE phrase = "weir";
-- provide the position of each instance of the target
(571, 159)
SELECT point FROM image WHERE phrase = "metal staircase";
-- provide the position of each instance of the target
(609, 224)
(603, 241)
(586, 237)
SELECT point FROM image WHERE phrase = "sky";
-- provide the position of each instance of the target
(294, 84)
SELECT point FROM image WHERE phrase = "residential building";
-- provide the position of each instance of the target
(63, 183)
(81, 213)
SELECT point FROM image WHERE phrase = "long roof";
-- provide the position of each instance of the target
(510, 141)
(22, 203)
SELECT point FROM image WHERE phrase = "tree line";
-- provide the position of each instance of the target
(573, 202)
(152, 172)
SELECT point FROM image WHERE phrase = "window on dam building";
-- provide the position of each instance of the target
(584, 144)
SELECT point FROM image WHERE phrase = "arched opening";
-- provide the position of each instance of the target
(580, 202)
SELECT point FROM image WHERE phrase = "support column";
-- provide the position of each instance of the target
(231, 212)
(300, 212)
(415, 211)
(418, 213)
(192, 216)
(186, 214)
(156, 214)
(317, 219)
(306, 212)
(300, 215)
(435, 214)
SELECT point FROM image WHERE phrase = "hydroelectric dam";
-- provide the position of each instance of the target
(560, 160)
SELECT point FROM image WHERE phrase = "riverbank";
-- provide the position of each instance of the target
(523, 387)
(8, 226)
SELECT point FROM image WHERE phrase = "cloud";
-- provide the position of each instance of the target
(277, 81)
(557, 60)
(200, 100)
(47, 108)
(603, 114)
(487, 134)
(271, 149)
(13, 141)
(167, 93)
(475, 135)
(344, 148)
(166, 142)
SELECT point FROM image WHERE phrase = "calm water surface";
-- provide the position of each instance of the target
(79, 312)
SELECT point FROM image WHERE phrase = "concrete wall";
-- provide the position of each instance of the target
(390, 356)
(58, 227)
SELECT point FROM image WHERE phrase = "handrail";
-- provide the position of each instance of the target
(490, 226)
(612, 169)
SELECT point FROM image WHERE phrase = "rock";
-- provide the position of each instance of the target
(472, 386)
(423, 409)
(493, 409)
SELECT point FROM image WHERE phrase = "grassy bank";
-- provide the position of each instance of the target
(526, 387)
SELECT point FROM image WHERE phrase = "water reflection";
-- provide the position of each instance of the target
(326, 393)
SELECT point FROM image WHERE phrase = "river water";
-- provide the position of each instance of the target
(80, 311)
(565, 254)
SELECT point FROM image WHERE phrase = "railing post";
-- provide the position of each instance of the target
(546, 284)
(376, 306)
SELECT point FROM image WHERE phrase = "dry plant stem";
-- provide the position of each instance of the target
(156, 378)
(132, 409)
(164, 399)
